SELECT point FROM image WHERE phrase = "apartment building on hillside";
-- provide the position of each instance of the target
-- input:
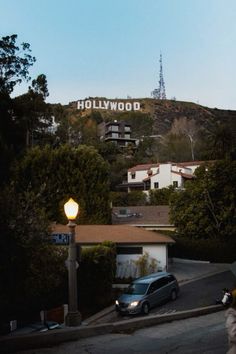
(117, 132)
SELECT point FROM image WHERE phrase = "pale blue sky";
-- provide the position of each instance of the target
(111, 47)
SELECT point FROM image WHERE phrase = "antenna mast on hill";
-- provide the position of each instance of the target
(160, 93)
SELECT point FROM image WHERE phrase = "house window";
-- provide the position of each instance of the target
(129, 250)
(133, 175)
(175, 184)
(156, 185)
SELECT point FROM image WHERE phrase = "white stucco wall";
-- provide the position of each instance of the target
(179, 168)
(163, 175)
(177, 178)
(126, 263)
(140, 175)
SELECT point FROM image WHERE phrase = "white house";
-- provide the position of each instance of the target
(160, 175)
(131, 242)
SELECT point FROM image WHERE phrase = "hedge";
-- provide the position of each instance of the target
(204, 250)
(95, 277)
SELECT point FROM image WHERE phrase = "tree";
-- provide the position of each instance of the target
(189, 128)
(95, 290)
(32, 115)
(40, 86)
(24, 119)
(206, 209)
(220, 141)
(63, 172)
(160, 196)
(32, 271)
(15, 62)
(128, 199)
(174, 147)
(147, 150)
(142, 123)
(108, 150)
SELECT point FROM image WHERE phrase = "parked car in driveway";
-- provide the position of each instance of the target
(147, 292)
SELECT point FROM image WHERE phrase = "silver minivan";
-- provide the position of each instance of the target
(147, 292)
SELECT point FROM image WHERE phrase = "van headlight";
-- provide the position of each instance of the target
(134, 304)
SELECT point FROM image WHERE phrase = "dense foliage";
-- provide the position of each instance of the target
(206, 209)
(14, 63)
(128, 199)
(161, 196)
(95, 276)
(215, 251)
(32, 272)
(63, 172)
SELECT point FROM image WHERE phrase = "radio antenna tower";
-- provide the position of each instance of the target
(160, 92)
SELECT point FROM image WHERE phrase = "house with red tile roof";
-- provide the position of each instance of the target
(131, 243)
(160, 175)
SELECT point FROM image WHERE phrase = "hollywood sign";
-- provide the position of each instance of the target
(108, 105)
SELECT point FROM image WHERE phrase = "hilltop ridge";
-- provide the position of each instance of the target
(163, 113)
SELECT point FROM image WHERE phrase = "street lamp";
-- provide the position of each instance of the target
(73, 318)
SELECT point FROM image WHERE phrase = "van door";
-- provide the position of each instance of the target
(161, 291)
(151, 294)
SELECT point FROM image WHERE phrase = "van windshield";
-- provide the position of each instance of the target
(136, 289)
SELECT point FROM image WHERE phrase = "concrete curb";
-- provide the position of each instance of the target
(193, 261)
(41, 340)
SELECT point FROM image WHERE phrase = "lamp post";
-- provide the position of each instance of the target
(73, 318)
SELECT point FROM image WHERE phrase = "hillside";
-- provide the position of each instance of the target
(159, 115)
(165, 112)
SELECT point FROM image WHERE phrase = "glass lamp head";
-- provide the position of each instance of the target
(71, 209)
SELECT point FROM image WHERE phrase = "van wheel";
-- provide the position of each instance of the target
(173, 295)
(145, 308)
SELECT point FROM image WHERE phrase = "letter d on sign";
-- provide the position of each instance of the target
(136, 106)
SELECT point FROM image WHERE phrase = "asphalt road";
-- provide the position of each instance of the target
(205, 335)
(201, 293)
(198, 293)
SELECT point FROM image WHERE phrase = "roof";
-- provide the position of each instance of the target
(189, 163)
(185, 175)
(140, 215)
(120, 234)
(143, 167)
(149, 177)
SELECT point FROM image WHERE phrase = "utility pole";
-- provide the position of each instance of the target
(160, 92)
